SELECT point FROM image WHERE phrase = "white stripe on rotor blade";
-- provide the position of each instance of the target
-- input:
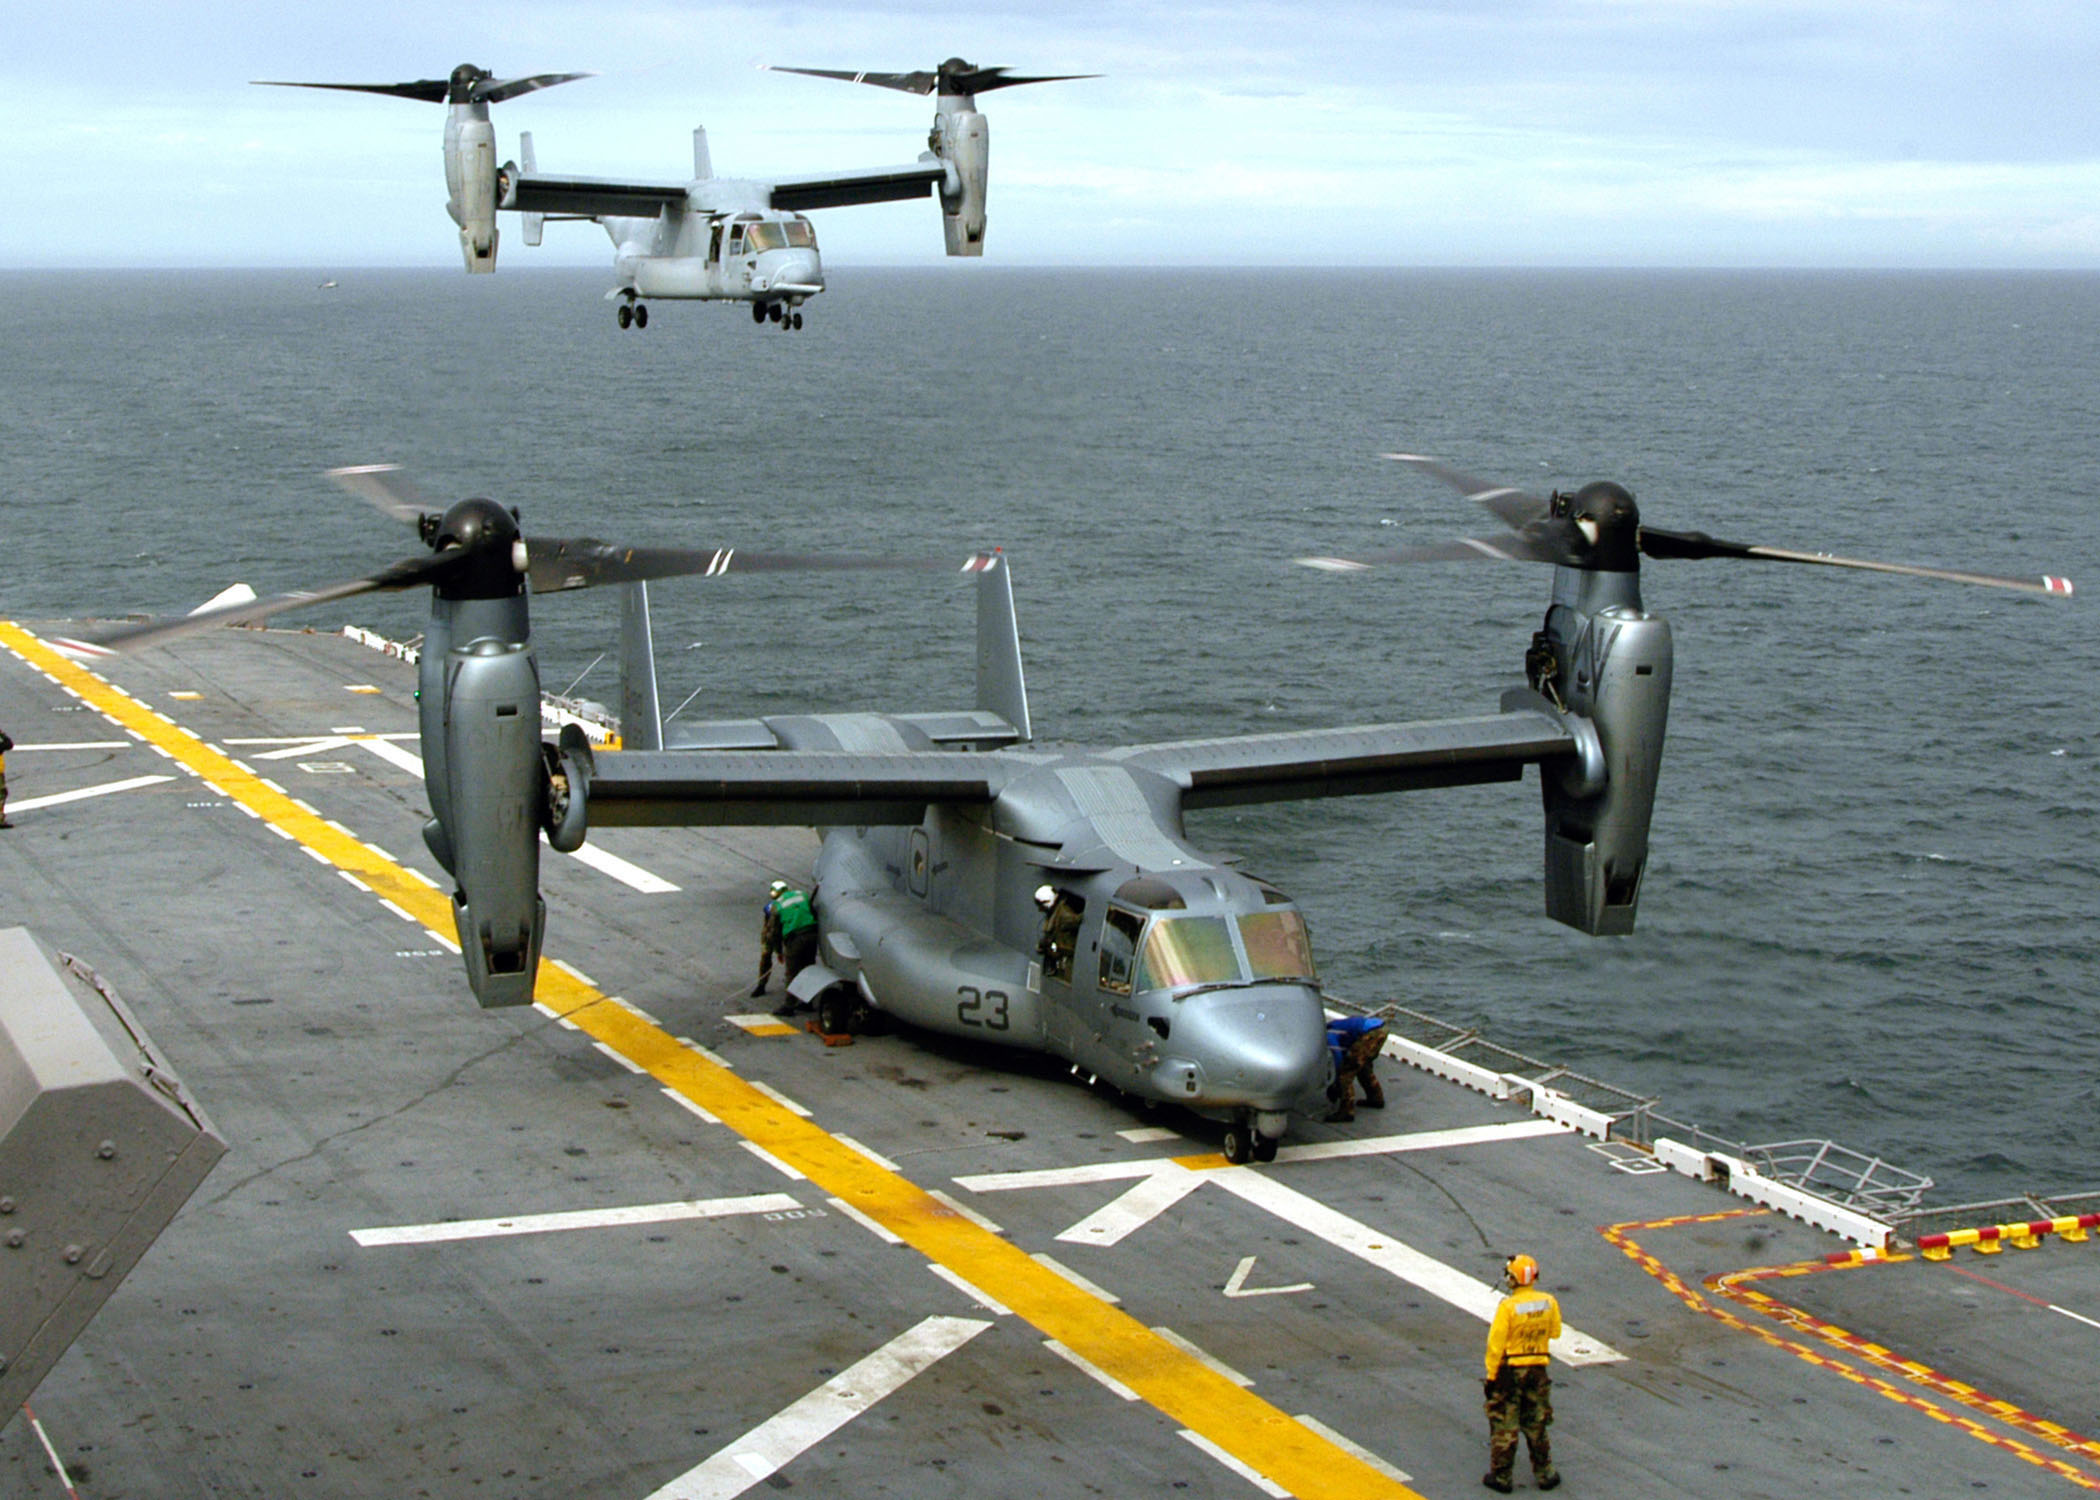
(1395, 1258)
(31, 804)
(589, 1218)
(774, 1444)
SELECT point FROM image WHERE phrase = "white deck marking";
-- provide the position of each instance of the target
(1145, 1135)
(1099, 1171)
(305, 747)
(885, 1235)
(31, 804)
(780, 1099)
(761, 1025)
(76, 745)
(1197, 1352)
(868, 1151)
(686, 1104)
(774, 1444)
(624, 871)
(1391, 1256)
(2080, 1317)
(622, 1059)
(587, 1218)
(1139, 1206)
(1237, 1286)
(1423, 1140)
(1353, 1449)
(970, 1289)
(1087, 1367)
(969, 1213)
(1090, 1288)
(398, 756)
(790, 1173)
(1253, 1476)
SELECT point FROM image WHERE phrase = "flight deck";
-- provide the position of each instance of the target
(646, 1240)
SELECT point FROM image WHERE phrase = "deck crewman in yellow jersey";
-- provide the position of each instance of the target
(789, 929)
(1519, 1384)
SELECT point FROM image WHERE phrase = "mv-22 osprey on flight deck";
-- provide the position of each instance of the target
(976, 883)
(712, 239)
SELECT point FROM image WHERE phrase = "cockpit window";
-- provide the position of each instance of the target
(1119, 937)
(1150, 892)
(768, 235)
(801, 234)
(1278, 946)
(1188, 950)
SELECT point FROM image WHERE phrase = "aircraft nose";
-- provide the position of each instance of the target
(794, 268)
(1264, 1047)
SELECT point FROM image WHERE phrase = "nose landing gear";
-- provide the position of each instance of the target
(1244, 1142)
(633, 313)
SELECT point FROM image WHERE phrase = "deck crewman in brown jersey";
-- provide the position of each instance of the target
(1519, 1384)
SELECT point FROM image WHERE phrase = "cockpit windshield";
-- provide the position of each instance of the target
(779, 234)
(1278, 946)
(1182, 951)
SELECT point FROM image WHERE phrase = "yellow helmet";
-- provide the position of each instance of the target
(1521, 1270)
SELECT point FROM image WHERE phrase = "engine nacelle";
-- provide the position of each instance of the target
(963, 140)
(495, 796)
(470, 183)
(1606, 661)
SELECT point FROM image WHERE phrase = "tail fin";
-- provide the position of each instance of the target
(535, 224)
(1001, 688)
(641, 716)
(703, 164)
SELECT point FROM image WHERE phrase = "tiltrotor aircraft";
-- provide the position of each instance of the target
(976, 883)
(710, 239)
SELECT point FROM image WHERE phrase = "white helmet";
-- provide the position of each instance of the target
(1045, 897)
(777, 887)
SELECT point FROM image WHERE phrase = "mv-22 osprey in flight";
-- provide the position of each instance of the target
(712, 239)
(975, 882)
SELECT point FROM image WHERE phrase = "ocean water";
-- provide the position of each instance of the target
(1870, 910)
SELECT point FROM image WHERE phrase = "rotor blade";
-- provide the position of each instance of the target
(401, 575)
(581, 562)
(1513, 507)
(385, 486)
(1697, 544)
(1514, 547)
(495, 91)
(910, 83)
(430, 90)
(984, 80)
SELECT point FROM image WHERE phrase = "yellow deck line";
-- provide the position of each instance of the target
(1179, 1385)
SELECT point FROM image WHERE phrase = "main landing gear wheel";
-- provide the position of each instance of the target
(641, 315)
(758, 312)
(835, 1011)
(625, 314)
(796, 321)
(1265, 1147)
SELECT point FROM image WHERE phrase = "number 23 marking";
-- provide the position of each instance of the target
(986, 1008)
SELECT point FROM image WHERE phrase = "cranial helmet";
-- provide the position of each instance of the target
(777, 887)
(1522, 1270)
(1045, 897)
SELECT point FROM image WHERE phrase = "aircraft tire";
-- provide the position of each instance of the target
(641, 315)
(798, 322)
(1239, 1143)
(758, 312)
(835, 1011)
(1265, 1147)
(625, 315)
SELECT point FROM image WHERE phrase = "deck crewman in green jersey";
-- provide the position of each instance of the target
(788, 928)
(1519, 1385)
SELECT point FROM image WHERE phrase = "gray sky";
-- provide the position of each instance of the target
(1416, 132)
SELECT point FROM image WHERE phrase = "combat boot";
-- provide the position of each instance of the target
(1548, 1478)
(1496, 1483)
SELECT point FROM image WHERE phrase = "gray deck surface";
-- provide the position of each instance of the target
(259, 1350)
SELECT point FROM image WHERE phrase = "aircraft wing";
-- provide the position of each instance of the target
(591, 197)
(784, 788)
(1351, 762)
(865, 185)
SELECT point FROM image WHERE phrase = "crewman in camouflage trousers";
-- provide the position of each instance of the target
(1519, 1384)
(1354, 1042)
